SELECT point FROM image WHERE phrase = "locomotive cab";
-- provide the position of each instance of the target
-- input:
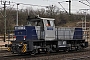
(45, 28)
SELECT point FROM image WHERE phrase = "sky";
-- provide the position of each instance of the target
(76, 6)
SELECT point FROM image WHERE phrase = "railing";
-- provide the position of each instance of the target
(62, 34)
(40, 34)
(68, 34)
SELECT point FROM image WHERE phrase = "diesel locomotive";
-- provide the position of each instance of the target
(41, 35)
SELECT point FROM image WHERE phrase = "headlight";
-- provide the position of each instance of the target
(40, 49)
(21, 43)
(64, 42)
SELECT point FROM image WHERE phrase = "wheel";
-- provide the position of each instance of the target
(68, 49)
(79, 48)
(13, 52)
(48, 51)
(33, 52)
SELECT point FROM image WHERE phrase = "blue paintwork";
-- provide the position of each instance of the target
(49, 28)
(78, 33)
(20, 34)
(29, 32)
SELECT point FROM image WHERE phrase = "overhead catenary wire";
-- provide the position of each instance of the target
(24, 4)
(29, 4)
(63, 7)
(84, 3)
(73, 6)
(88, 1)
(1, 13)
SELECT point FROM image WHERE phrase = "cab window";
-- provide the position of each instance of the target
(49, 23)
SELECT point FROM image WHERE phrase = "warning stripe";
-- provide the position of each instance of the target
(9, 49)
(24, 48)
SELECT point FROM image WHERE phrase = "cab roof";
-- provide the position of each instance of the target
(47, 18)
(39, 19)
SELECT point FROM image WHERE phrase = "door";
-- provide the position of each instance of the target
(49, 29)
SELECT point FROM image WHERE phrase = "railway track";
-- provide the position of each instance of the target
(73, 55)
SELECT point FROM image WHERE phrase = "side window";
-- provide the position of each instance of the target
(38, 23)
(49, 23)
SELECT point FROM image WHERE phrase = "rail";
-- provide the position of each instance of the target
(2, 43)
(2, 47)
